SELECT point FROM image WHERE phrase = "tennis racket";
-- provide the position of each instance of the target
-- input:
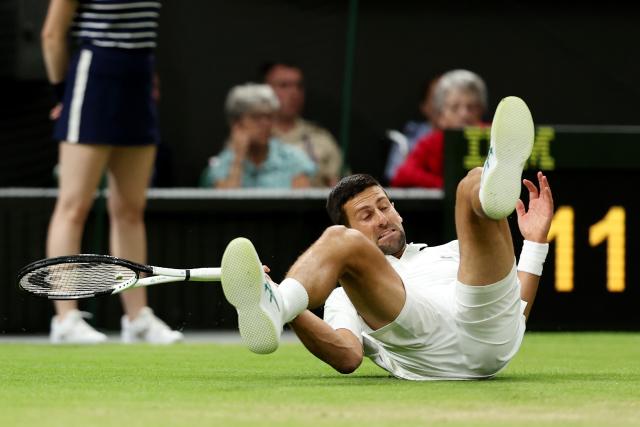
(87, 276)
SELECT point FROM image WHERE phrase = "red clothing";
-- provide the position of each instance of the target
(424, 166)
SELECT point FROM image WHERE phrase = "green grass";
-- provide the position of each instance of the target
(556, 380)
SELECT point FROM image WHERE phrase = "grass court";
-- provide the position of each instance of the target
(557, 379)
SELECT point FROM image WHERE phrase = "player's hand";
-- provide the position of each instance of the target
(535, 222)
(266, 270)
(55, 112)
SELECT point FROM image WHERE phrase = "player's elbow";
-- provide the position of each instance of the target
(52, 37)
(349, 362)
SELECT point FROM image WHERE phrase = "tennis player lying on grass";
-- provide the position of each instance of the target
(455, 311)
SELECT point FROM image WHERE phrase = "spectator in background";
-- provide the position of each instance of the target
(253, 157)
(105, 120)
(459, 100)
(287, 81)
(412, 131)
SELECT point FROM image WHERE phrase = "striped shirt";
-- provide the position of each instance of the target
(117, 23)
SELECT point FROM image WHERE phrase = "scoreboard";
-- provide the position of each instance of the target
(591, 278)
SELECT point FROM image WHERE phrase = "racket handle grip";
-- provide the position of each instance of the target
(205, 274)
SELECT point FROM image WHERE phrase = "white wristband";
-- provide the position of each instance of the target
(532, 257)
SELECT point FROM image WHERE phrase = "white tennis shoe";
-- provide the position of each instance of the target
(73, 329)
(512, 136)
(146, 327)
(258, 303)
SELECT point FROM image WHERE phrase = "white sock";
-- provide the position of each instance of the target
(295, 297)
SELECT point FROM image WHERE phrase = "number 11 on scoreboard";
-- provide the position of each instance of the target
(610, 228)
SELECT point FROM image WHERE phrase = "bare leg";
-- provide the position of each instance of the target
(81, 167)
(129, 175)
(347, 256)
(486, 248)
(340, 255)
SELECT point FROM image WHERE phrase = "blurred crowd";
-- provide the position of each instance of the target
(271, 145)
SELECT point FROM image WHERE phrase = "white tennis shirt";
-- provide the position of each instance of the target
(427, 342)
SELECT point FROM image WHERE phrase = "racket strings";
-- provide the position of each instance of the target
(76, 280)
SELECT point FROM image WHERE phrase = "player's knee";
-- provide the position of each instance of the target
(73, 211)
(334, 234)
(343, 238)
(125, 213)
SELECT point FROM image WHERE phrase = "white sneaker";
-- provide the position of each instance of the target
(259, 305)
(512, 136)
(146, 327)
(74, 330)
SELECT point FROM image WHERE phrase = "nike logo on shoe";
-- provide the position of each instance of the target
(272, 297)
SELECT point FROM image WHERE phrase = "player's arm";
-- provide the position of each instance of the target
(340, 348)
(534, 224)
(529, 288)
(54, 38)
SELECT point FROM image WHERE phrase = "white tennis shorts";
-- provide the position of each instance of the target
(452, 332)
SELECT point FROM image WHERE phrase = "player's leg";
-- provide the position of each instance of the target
(486, 248)
(345, 255)
(490, 317)
(80, 168)
(340, 254)
(130, 170)
(485, 197)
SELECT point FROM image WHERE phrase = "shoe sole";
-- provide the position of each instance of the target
(512, 135)
(243, 280)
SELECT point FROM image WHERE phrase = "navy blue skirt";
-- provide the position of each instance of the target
(108, 98)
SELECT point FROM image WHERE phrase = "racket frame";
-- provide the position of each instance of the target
(158, 274)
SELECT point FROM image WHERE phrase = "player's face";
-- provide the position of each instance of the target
(372, 213)
(288, 85)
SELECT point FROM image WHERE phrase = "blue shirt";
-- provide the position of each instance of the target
(283, 163)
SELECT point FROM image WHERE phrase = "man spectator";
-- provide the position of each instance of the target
(287, 81)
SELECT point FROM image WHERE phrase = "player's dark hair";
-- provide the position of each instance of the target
(346, 189)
